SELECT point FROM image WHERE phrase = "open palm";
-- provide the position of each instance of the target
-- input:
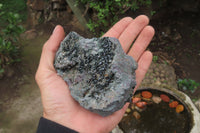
(60, 107)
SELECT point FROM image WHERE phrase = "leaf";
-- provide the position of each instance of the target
(179, 108)
(1, 5)
(173, 104)
(165, 98)
(134, 6)
(1, 70)
(148, 2)
(146, 94)
(152, 13)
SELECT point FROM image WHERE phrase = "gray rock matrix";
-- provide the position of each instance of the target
(101, 77)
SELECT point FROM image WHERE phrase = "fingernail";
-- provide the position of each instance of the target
(54, 31)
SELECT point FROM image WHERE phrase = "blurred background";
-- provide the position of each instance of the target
(25, 25)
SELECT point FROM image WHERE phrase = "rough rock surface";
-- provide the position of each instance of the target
(101, 77)
(159, 75)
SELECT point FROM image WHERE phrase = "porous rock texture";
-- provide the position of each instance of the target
(101, 77)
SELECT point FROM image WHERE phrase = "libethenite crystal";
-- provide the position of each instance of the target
(101, 77)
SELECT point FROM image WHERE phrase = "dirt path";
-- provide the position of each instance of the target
(23, 112)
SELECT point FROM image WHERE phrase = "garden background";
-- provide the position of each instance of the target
(25, 25)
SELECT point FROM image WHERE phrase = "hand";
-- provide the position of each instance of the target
(60, 107)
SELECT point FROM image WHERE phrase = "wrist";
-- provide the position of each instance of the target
(60, 119)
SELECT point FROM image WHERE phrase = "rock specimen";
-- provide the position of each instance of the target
(101, 77)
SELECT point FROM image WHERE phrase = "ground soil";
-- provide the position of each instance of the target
(177, 42)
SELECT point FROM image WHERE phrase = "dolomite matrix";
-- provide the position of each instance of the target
(101, 77)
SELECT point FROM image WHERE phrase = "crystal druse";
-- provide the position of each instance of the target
(100, 76)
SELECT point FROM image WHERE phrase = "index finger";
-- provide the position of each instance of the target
(118, 28)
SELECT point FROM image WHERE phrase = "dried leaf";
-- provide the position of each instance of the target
(146, 94)
(179, 108)
(141, 104)
(136, 99)
(173, 104)
(165, 98)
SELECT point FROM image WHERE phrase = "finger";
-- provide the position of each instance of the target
(50, 48)
(132, 30)
(118, 28)
(143, 65)
(142, 42)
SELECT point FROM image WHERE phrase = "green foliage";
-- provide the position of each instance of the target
(12, 29)
(195, 99)
(1, 70)
(106, 12)
(152, 13)
(9, 37)
(155, 58)
(188, 84)
(15, 6)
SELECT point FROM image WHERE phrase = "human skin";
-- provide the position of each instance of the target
(58, 104)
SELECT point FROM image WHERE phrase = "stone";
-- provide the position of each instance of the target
(156, 99)
(136, 115)
(158, 82)
(117, 130)
(101, 77)
(29, 35)
(132, 107)
(166, 76)
(128, 110)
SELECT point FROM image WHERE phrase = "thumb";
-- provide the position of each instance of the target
(117, 116)
(46, 67)
(50, 48)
